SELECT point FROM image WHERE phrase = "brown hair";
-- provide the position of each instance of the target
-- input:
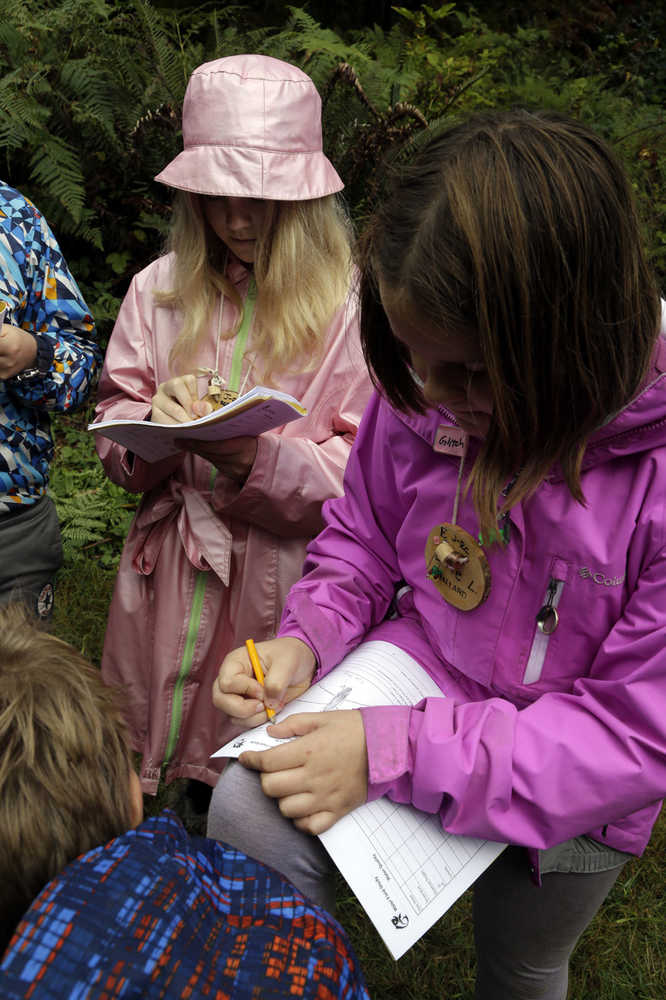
(519, 228)
(64, 762)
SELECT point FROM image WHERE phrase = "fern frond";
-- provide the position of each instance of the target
(20, 110)
(93, 98)
(14, 42)
(169, 66)
(56, 166)
(89, 229)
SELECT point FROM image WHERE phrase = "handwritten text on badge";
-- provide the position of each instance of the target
(457, 565)
(450, 441)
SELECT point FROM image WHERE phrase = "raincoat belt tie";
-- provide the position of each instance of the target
(205, 537)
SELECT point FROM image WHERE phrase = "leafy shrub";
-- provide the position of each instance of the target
(90, 96)
(94, 513)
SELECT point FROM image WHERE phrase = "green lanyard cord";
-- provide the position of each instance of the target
(241, 337)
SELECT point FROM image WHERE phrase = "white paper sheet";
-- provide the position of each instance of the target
(403, 868)
(257, 411)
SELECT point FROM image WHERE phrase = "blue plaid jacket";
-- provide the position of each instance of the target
(157, 913)
(40, 295)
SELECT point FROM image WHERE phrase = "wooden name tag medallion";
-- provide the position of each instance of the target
(218, 400)
(458, 567)
(219, 397)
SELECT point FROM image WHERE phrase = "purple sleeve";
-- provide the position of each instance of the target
(351, 568)
(568, 764)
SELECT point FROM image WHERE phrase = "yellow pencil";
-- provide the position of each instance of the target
(258, 672)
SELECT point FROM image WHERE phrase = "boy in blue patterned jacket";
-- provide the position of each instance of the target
(48, 362)
(128, 908)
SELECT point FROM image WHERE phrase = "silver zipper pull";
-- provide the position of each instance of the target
(548, 619)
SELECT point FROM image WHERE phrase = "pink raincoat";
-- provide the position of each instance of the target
(543, 737)
(208, 563)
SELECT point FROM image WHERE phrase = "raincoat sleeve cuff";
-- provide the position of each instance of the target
(296, 633)
(232, 498)
(285, 488)
(387, 743)
(148, 473)
(123, 466)
(304, 619)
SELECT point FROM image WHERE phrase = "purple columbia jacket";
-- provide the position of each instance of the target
(542, 737)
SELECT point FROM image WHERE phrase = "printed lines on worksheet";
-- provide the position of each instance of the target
(421, 867)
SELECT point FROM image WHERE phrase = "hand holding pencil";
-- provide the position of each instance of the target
(258, 671)
(247, 695)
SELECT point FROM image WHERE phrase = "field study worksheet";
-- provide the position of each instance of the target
(405, 870)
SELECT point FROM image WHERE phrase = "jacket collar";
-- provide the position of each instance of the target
(639, 426)
(236, 271)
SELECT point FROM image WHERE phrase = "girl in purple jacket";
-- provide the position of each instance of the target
(508, 482)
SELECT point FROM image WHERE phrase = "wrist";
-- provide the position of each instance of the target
(42, 359)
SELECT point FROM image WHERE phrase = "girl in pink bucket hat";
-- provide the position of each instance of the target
(254, 289)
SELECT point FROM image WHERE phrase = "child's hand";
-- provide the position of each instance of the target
(288, 666)
(233, 458)
(320, 777)
(18, 350)
(174, 401)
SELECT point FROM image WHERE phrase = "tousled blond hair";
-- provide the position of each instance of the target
(64, 762)
(302, 272)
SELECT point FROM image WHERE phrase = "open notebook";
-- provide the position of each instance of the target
(256, 411)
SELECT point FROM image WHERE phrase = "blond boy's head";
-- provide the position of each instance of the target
(66, 778)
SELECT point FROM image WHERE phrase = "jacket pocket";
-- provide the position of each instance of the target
(547, 621)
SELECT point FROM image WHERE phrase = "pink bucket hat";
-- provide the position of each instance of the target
(252, 129)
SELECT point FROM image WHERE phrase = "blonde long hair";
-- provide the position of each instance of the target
(302, 272)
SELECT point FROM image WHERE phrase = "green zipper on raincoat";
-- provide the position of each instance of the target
(202, 575)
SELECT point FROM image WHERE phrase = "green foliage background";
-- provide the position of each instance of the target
(90, 95)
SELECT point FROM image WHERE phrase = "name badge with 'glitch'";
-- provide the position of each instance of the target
(450, 441)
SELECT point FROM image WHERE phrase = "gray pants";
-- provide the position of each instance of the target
(241, 815)
(524, 935)
(31, 556)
